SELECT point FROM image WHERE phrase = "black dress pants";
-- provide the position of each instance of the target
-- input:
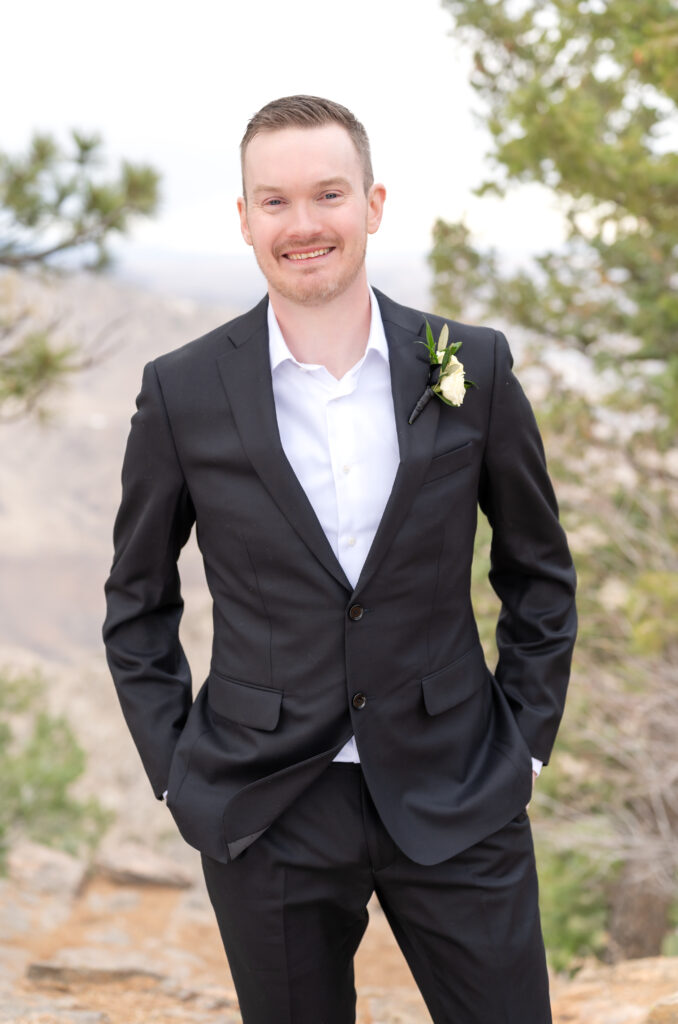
(292, 910)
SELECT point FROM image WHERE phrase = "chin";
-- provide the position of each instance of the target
(315, 295)
(316, 292)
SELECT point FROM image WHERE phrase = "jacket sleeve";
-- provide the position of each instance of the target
(143, 594)
(531, 568)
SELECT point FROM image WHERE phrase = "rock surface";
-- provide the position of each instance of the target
(43, 870)
(133, 864)
(665, 1012)
(150, 954)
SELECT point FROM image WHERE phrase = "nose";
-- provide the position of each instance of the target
(306, 219)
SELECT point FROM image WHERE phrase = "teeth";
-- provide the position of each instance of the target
(307, 255)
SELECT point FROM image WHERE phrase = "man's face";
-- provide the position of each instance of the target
(306, 214)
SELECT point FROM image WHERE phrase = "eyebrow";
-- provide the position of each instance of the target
(318, 185)
(333, 181)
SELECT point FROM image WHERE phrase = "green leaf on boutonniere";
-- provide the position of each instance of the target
(430, 344)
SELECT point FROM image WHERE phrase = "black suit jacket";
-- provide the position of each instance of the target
(445, 745)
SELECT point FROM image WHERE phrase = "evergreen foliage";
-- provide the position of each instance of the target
(54, 200)
(58, 208)
(580, 97)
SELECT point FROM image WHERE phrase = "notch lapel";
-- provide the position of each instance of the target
(246, 376)
(409, 365)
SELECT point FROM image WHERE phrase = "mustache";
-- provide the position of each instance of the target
(314, 242)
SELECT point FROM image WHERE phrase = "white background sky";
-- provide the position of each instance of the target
(174, 83)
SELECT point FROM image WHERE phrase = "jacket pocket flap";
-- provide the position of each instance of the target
(255, 706)
(456, 682)
(448, 462)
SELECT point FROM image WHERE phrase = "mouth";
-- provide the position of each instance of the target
(311, 254)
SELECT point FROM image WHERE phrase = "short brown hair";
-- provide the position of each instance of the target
(308, 112)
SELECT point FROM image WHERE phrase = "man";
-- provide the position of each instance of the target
(349, 737)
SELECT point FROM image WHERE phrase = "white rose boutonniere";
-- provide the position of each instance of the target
(452, 384)
(447, 379)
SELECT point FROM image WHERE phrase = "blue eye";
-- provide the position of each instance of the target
(331, 195)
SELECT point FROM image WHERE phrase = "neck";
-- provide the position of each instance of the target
(333, 334)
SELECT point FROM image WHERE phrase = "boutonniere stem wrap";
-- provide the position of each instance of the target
(446, 378)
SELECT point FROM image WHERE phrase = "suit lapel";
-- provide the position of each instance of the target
(245, 372)
(246, 375)
(409, 366)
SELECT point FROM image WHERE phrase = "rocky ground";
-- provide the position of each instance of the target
(130, 939)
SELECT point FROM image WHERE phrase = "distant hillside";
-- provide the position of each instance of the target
(59, 483)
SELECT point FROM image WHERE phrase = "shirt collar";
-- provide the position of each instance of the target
(279, 352)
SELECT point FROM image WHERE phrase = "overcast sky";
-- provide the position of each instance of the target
(174, 83)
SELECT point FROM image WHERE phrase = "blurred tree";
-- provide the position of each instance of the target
(53, 200)
(580, 97)
(57, 208)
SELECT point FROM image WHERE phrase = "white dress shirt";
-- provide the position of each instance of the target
(340, 439)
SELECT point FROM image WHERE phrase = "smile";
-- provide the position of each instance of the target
(308, 255)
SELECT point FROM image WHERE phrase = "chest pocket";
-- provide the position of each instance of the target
(449, 462)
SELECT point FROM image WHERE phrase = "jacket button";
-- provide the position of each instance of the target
(355, 612)
(359, 700)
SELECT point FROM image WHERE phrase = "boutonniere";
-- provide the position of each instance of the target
(446, 378)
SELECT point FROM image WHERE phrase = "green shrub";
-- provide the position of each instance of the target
(574, 906)
(40, 759)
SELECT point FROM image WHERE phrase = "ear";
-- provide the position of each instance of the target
(375, 206)
(244, 227)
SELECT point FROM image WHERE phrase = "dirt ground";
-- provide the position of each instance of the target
(142, 954)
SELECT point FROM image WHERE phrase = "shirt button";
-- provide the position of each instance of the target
(359, 701)
(355, 612)
(346, 468)
(351, 542)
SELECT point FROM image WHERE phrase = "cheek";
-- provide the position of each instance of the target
(262, 240)
(352, 229)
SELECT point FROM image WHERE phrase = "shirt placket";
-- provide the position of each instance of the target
(343, 441)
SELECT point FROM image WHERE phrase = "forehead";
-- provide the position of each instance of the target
(294, 156)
